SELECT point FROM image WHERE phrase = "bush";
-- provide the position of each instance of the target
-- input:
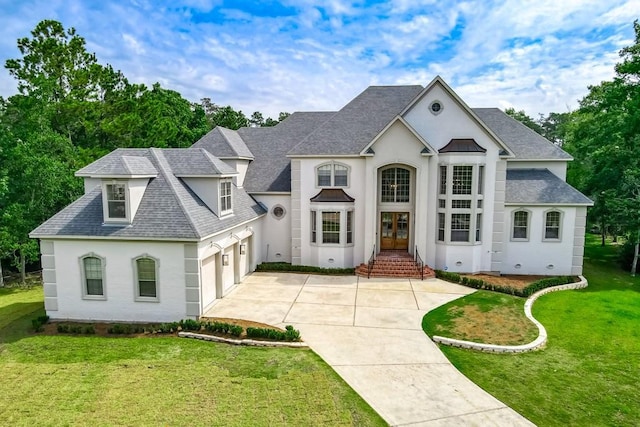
(236, 330)
(284, 266)
(546, 283)
(448, 276)
(272, 334)
(90, 330)
(63, 329)
(190, 325)
(37, 325)
(75, 329)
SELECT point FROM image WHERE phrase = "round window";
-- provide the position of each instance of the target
(278, 212)
(435, 107)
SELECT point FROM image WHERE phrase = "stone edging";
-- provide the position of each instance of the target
(250, 342)
(533, 345)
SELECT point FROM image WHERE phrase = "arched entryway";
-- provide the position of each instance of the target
(396, 201)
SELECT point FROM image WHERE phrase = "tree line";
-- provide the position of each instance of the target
(70, 110)
(603, 136)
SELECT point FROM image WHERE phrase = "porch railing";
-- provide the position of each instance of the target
(419, 263)
(372, 260)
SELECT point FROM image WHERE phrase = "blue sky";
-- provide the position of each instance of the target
(302, 55)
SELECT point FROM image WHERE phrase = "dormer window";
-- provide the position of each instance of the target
(332, 175)
(225, 196)
(115, 201)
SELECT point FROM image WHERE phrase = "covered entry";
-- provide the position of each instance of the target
(394, 230)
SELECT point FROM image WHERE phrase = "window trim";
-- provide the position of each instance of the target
(316, 228)
(105, 201)
(544, 225)
(136, 280)
(332, 175)
(513, 225)
(229, 209)
(83, 275)
(467, 202)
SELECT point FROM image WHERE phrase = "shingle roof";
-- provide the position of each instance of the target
(169, 209)
(227, 144)
(196, 162)
(523, 142)
(462, 146)
(540, 186)
(271, 169)
(332, 195)
(357, 123)
(121, 162)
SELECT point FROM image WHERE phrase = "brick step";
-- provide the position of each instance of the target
(409, 271)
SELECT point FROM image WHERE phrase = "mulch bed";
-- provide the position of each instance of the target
(512, 280)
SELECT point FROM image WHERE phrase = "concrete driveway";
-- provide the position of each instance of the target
(369, 331)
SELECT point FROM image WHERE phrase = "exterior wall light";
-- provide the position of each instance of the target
(225, 259)
(243, 249)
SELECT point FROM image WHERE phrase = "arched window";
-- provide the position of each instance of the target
(332, 175)
(520, 225)
(146, 277)
(552, 225)
(93, 274)
(395, 185)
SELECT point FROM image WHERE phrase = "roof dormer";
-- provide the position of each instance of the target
(123, 179)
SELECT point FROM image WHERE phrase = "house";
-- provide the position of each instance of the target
(161, 234)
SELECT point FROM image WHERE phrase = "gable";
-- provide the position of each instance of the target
(453, 120)
(396, 140)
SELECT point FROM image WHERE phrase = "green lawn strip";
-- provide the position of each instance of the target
(18, 301)
(92, 380)
(589, 370)
(488, 317)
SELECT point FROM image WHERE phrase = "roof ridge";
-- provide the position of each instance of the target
(314, 131)
(164, 167)
(227, 139)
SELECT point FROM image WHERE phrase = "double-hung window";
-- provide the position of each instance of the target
(116, 201)
(225, 195)
(92, 269)
(552, 225)
(520, 225)
(146, 278)
(331, 227)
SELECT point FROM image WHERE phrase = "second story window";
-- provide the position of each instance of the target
(225, 195)
(332, 175)
(395, 185)
(116, 201)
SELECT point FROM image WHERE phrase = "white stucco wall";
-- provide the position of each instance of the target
(536, 256)
(276, 234)
(207, 190)
(91, 183)
(559, 169)
(241, 167)
(119, 283)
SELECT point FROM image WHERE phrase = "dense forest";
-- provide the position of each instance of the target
(70, 110)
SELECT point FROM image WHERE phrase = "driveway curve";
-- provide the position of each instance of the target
(369, 331)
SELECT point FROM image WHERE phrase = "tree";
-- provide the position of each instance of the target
(604, 138)
(525, 119)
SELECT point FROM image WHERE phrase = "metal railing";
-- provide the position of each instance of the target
(372, 260)
(419, 263)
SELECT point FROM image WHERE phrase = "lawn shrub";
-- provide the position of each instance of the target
(284, 266)
(190, 325)
(525, 292)
(448, 276)
(37, 325)
(62, 328)
(75, 329)
(236, 330)
(90, 330)
(224, 328)
(290, 334)
(119, 329)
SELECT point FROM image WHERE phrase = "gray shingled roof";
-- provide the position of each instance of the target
(168, 210)
(121, 162)
(523, 142)
(353, 127)
(227, 143)
(196, 162)
(540, 186)
(271, 169)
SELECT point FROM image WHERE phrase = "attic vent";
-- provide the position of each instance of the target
(278, 212)
(435, 107)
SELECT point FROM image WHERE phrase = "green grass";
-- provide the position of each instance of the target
(488, 317)
(91, 380)
(588, 373)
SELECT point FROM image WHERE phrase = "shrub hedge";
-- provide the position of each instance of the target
(483, 284)
(284, 266)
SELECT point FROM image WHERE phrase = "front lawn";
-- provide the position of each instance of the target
(91, 380)
(588, 373)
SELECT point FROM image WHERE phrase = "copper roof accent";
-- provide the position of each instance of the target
(462, 146)
(332, 195)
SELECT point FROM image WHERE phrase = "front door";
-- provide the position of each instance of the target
(394, 230)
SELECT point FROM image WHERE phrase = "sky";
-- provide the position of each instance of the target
(309, 55)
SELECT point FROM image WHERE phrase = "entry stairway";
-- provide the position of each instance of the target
(397, 264)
